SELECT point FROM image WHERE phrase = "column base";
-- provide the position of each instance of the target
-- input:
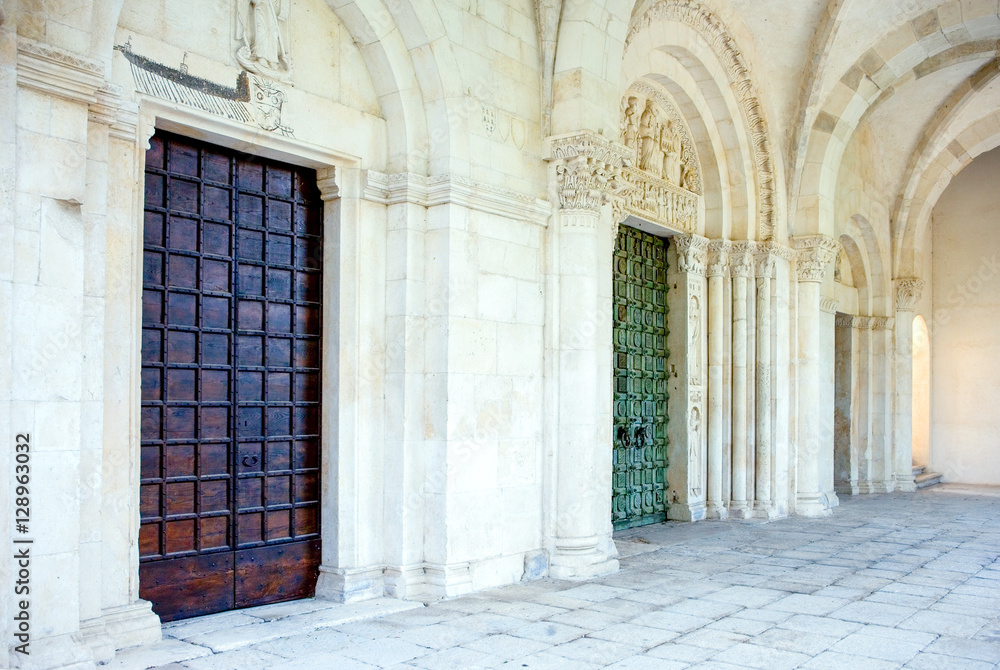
(740, 510)
(687, 512)
(583, 557)
(812, 505)
(851, 489)
(447, 580)
(716, 511)
(348, 585)
(765, 510)
(95, 636)
(408, 581)
(132, 625)
(880, 487)
(905, 483)
(60, 652)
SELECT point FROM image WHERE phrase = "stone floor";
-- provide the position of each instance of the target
(901, 580)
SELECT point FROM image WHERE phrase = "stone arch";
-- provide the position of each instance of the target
(856, 258)
(876, 299)
(940, 37)
(980, 137)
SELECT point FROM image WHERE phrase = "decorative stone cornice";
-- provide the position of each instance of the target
(587, 170)
(58, 72)
(828, 305)
(407, 187)
(814, 253)
(883, 323)
(741, 258)
(717, 35)
(908, 290)
(692, 253)
(864, 322)
(718, 258)
(844, 321)
(111, 109)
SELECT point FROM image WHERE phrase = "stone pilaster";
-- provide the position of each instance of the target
(862, 403)
(908, 292)
(882, 480)
(814, 494)
(740, 268)
(687, 474)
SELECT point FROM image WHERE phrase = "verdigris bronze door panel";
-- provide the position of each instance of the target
(640, 384)
(232, 277)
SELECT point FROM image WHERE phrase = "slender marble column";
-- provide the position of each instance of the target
(862, 413)
(740, 267)
(815, 254)
(764, 501)
(882, 480)
(907, 294)
(717, 260)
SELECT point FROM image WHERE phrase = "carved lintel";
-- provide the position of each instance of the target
(58, 72)
(718, 258)
(587, 170)
(692, 253)
(908, 290)
(814, 254)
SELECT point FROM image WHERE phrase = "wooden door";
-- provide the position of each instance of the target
(232, 284)
(640, 360)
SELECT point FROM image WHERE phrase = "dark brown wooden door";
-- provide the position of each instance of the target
(232, 284)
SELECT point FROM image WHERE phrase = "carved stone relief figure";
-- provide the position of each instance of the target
(630, 129)
(670, 147)
(648, 145)
(694, 451)
(264, 46)
(694, 346)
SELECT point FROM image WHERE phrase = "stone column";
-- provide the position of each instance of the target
(763, 498)
(862, 403)
(718, 251)
(815, 254)
(845, 412)
(882, 480)
(686, 474)
(908, 292)
(740, 267)
(583, 172)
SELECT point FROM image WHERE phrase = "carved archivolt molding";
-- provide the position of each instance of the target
(692, 253)
(814, 254)
(908, 292)
(658, 137)
(714, 31)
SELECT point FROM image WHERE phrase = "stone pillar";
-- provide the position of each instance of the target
(862, 403)
(764, 495)
(908, 292)
(845, 470)
(686, 474)
(717, 260)
(583, 171)
(881, 464)
(815, 254)
(740, 267)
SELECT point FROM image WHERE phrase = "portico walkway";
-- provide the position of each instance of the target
(900, 580)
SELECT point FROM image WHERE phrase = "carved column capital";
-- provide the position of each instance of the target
(588, 171)
(741, 258)
(718, 258)
(814, 253)
(845, 321)
(764, 259)
(908, 290)
(692, 253)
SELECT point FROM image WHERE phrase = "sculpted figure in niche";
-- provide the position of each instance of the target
(630, 132)
(259, 27)
(670, 148)
(648, 145)
(694, 451)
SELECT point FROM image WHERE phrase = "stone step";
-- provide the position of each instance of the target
(918, 470)
(927, 479)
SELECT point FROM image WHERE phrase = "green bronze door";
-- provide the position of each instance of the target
(640, 345)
